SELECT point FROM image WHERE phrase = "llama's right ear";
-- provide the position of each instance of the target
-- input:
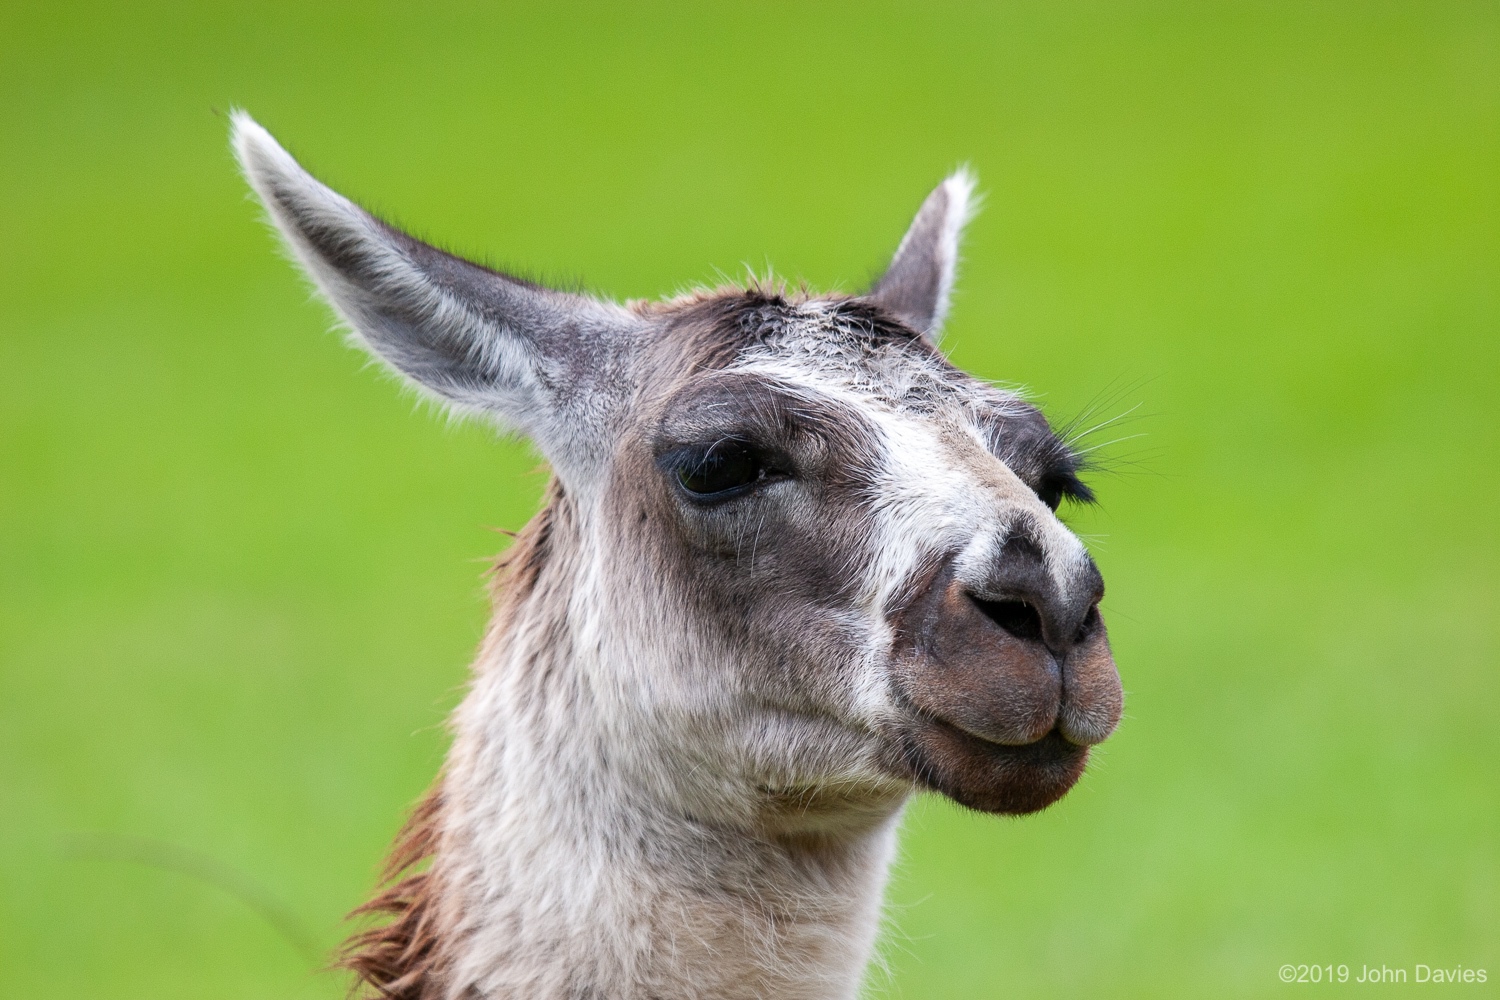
(479, 340)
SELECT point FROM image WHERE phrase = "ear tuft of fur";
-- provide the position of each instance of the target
(311, 217)
(918, 284)
(261, 158)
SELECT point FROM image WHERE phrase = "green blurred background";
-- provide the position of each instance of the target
(239, 570)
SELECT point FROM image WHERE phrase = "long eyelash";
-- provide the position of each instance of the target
(1100, 456)
(1109, 397)
(1076, 490)
(1105, 444)
(1071, 436)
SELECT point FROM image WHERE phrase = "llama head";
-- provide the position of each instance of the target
(815, 564)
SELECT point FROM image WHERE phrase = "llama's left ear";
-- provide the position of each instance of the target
(919, 280)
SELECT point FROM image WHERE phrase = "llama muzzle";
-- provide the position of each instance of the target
(1006, 681)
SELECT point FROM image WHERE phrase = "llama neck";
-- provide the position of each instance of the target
(566, 880)
(565, 868)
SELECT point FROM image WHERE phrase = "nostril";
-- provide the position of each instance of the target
(1090, 622)
(1016, 617)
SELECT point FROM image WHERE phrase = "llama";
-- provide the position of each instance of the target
(793, 566)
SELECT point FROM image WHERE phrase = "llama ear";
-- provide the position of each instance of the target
(916, 285)
(478, 340)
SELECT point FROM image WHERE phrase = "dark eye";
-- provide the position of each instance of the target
(1055, 487)
(1050, 495)
(724, 468)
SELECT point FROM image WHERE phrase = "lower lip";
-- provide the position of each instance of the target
(988, 776)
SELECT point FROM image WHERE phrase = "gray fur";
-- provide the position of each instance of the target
(693, 724)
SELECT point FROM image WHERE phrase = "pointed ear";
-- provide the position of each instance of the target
(478, 340)
(916, 285)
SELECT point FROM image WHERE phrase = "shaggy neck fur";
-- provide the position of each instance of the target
(542, 865)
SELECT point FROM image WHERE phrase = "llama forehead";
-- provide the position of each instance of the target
(850, 351)
(844, 353)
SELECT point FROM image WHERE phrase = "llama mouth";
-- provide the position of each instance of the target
(988, 777)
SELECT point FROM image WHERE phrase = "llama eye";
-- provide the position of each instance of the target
(1063, 486)
(724, 468)
(1050, 494)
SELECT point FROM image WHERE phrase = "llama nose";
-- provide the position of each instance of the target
(1030, 603)
(1023, 597)
(1012, 656)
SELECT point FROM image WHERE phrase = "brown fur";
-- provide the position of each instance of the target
(402, 958)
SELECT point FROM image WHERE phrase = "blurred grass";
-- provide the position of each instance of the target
(238, 576)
